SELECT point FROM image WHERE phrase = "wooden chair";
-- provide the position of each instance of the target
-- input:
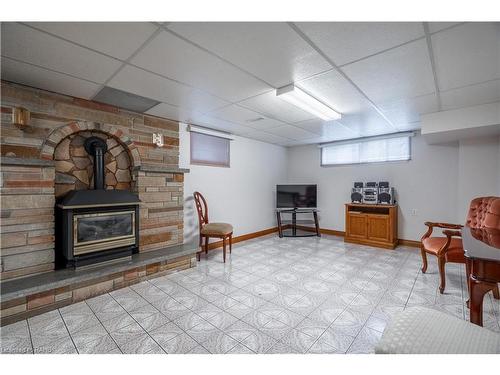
(483, 213)
(214, 230)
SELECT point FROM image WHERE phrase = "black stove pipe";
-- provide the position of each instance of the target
(97, 147)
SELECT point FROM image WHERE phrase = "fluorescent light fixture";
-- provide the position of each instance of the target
(293, 95)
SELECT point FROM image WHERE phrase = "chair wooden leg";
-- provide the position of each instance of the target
(224, 249)
(442, 274)
(230, 243)
(206, 245)
(198, 254)
(496, 293)
(424, 260)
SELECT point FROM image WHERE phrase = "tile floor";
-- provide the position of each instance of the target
(306, 295)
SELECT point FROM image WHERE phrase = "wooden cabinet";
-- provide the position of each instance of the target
(357, 225)
(371, 224)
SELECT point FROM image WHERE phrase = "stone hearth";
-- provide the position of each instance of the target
(29, 296)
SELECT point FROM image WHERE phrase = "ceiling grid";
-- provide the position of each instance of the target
(234, 80)
(334, 66)
(433, 62)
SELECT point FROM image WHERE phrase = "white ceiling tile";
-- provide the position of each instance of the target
(151, 86)
(292, 132)
(367, 123)
(117, 39)
(264, 124)
(482, 93)
(271, 51)
(246, 117)
(467, 54)
(23, 43)
(293, 143)
(438, 26)
(171, 112)
(403, 72)
(175, 58)
(405, 111)
(30, 75)
(235, 113)
(344, 42)
(266, 137)
(335, 91)
(272, 106)
(333, 130)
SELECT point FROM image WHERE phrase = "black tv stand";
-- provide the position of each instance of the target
(294, 227)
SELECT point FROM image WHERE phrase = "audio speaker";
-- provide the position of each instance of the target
(356, 197)
(357, 193)
(385, 193)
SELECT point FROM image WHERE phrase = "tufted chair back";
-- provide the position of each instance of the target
(484, 212)
(488, 236)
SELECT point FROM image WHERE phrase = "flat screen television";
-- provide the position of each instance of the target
(296, 196)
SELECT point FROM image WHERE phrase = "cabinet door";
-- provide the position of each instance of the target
(378, 228)
(357, 225)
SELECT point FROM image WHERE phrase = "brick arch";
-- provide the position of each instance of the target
(54, 138)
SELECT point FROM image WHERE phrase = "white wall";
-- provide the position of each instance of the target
(426, 183)
(244, 194)
(438, 182)
(479, 170)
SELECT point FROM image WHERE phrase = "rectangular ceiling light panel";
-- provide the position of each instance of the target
(299, 98)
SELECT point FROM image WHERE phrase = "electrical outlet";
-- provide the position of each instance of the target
(414, 212)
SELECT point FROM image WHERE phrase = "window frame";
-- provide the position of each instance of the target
(193, 161)
(367, 139)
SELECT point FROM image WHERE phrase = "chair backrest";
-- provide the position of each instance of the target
(202, 208)
(484, 212)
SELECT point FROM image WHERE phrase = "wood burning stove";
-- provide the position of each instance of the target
(96, 225)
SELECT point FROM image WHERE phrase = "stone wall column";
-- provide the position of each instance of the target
(27, 214)
(161, 192)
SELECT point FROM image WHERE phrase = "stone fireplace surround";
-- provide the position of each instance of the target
(74, 165)
(44, 159)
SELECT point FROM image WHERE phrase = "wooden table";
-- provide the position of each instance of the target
(482, 259)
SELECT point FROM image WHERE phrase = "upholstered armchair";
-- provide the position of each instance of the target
(223, 231)
(483, 213)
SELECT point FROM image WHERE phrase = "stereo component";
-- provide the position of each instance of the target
(357, 193)
(385, 193)
(373, 193)
(370, 193)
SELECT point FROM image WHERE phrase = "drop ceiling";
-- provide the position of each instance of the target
(381, 76)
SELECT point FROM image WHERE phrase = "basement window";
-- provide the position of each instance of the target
(395, 147)
(209, 150)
